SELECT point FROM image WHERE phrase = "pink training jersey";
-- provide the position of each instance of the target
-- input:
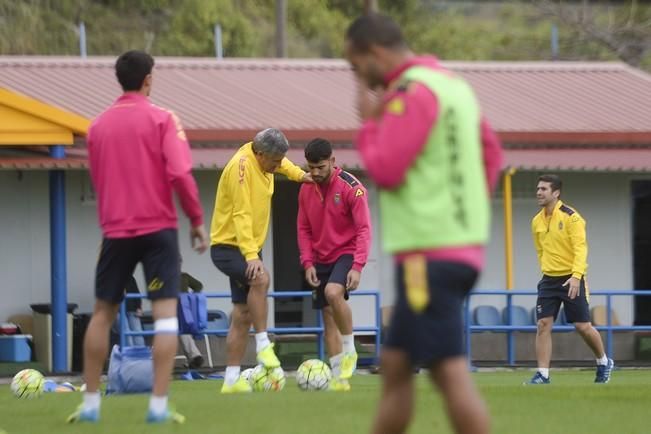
(390, 145)
(334, 220)
(138, 155)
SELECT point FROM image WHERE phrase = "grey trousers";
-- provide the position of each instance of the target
(189, 347)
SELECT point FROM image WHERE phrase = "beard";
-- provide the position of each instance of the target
(374, 77)
(319, 179)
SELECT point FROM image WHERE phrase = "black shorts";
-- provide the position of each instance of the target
(436, 333)
(159, 254)
(551, 293)
(230, 261)
(336, 272)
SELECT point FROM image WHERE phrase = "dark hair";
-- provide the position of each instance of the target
(318, 150)
(375, 29)
(554, 180)
(131, 68)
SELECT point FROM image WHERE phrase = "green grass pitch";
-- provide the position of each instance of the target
(571, 405)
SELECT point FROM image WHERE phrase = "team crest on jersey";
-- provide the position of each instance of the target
(396, 106)
(560, 226)
(337, 198)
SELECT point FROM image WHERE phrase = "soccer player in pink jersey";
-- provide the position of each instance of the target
(334, 238)
(139, 156)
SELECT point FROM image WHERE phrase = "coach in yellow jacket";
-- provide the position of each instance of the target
(559, 237)
(238, 231)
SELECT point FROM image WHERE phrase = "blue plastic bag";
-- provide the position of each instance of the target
(202, 311)
(131, 370)
(192, 313)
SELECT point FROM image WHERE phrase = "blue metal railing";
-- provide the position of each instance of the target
(509, 329)
(318, 329)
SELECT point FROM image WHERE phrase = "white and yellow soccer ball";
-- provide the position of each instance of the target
(313, 374)
(246, 374)
(28, 384)
(267, 380)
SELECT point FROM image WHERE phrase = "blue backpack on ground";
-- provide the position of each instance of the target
(192, 312)
(131, 370)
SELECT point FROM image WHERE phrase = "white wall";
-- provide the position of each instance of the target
(24, 258)
(603, 199)
(25, 242)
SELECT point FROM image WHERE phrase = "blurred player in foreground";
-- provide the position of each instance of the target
(435, 159)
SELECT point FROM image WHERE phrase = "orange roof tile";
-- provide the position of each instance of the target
(540, 103)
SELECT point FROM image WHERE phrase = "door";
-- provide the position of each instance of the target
(641, 192)
(288, 273)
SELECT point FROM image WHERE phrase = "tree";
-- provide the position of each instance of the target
(625, 30)
(370, 6)
(514, 30)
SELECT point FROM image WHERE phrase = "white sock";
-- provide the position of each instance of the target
(158, 404)
(544, 372)
(335, 364)
(603, 360)
(232, 375)
(91, 400)
(349, 343)
(261, 341)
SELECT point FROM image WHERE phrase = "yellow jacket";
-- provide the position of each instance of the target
(560, 241)
(243, 202)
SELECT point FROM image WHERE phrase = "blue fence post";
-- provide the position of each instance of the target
(123, 324)
(378, 324)
(468, 331)
(510, 338)
(609, 331)
(58, 276)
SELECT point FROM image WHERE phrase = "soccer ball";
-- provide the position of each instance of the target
(28, 383)
(246, 374)
(313, 374)
(267, 380)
